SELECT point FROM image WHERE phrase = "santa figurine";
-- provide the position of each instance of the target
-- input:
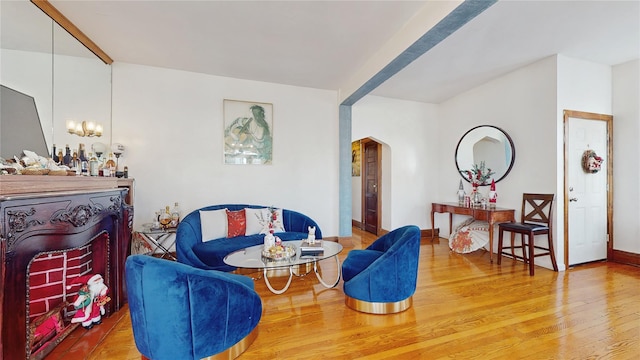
(493, 195)
(91, 299)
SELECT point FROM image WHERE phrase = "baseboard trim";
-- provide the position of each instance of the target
(424, 233)
(624, 257)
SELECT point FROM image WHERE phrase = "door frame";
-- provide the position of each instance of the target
(363, 184)
(609, 166)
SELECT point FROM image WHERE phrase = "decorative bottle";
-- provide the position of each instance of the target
(54, 155)
(82, 154)
(93, 165)
(75, 162)
(165, 218)
(111, 165)
(67, 155)
(175, 215)
(84, 161)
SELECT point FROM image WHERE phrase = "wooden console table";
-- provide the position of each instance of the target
(490, 215)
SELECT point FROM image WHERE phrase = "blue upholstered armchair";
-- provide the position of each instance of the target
(180, 312)
(381, 279)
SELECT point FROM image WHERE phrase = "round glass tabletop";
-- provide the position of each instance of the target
(251, 257)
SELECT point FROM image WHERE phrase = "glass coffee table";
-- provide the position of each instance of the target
(252, 258)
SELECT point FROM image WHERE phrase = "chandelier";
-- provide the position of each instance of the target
(84, 128)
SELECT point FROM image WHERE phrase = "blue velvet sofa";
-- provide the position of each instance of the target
(381, 279)
(191, 249)
(180, 312)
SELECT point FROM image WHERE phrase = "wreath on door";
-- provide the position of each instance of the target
(591, 162)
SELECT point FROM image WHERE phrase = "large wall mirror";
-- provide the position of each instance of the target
(66, 81)
(488, 144)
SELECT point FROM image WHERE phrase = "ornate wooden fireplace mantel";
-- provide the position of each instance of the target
(41, 215)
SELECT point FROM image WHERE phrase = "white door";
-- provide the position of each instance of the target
(587, 207)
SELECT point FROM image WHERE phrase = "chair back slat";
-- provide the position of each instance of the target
(537, 208)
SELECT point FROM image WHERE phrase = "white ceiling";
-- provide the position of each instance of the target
(321, 44)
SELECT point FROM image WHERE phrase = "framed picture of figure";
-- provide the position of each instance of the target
(248, 132)
(355, 158)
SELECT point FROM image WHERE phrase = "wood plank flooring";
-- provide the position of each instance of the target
(464, 308)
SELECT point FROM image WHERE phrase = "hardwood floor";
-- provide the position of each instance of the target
(464, 307)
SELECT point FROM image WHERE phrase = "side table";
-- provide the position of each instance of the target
(160, 239)
(490, 215)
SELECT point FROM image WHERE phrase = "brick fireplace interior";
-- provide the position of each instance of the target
(51, 294)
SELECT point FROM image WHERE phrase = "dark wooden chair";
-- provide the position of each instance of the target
(535, 220)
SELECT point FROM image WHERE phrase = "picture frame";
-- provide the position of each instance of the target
(355, 158)
(248, 132)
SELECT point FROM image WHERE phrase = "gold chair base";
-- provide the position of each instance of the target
(378, 307)
(237, 349)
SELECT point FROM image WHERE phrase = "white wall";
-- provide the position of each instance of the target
(626, 152)
(409, 133)
(522, 103)
(171, 124)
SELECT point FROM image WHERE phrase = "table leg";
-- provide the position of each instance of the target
(315, 269)
(158, 243)
(491, 242)
(277, 292)
(433, 227)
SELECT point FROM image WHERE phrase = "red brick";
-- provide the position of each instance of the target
(37, 307)
(37, 279)
(46, 291)
(55, 276)
(45, 264)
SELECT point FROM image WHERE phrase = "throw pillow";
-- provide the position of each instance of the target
(213, 224)
(237, 223)
(258, 221)
(255, 220)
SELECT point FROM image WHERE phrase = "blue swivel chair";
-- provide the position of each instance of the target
(181, 312)
(381, 279)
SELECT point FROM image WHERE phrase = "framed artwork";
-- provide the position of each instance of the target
(355, 158)
(248, 132)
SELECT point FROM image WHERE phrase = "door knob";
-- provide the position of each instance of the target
(573, 199)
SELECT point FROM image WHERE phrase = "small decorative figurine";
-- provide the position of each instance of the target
(461, 194)
(311, 238)
(91, 299)
(493, 195)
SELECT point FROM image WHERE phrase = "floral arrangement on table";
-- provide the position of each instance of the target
(271, 222)
(478, 175)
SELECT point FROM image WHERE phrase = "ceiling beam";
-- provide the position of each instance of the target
(66, 24)
(434, 23)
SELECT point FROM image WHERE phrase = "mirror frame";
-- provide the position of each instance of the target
(513, 152)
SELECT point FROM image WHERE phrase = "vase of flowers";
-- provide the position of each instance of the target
(269, 225)
(477, 175)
